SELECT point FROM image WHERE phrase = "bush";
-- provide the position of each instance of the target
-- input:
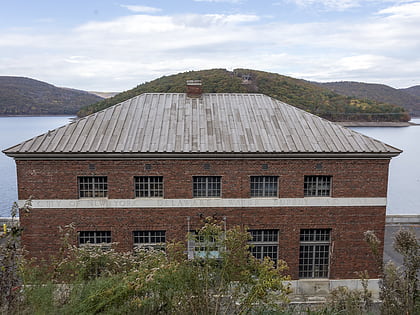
(93, 281)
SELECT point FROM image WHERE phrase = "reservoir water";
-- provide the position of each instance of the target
(404, 177)
(14, 130)
(404, 171)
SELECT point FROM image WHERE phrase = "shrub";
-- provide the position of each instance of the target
(89, 280)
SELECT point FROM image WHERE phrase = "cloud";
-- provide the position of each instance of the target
(336, 5)
(120, 53)
(133, 24)
(405, 10)
(141, 8)
(218, 1)
(339, 5)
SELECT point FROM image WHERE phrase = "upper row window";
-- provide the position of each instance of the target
(148, 186)
(207, 186)
(93, 186)
(317, 186)
(264, 186)
(203, 186)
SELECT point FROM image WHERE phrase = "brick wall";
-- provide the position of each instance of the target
(58, 179)
(351, 178)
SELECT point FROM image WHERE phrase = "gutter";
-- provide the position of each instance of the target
(188, 156)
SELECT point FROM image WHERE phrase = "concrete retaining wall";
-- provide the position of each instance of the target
(316, 290)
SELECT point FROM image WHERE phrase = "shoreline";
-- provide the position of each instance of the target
(46, 115)
(376, 123)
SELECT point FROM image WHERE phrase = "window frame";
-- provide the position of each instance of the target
(314, 253)
(150, 244)
(96, 236)
(92, 187)
(207, 189)
(205, 246)
(314, 185)
(149, 183)
(265, 181)
(260, 248)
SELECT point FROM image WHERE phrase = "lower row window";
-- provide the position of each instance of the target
(155, 239)
(149, 239)
(204, 245)
(314, 250)
(101, 239)
(265, 244)
(314, 253)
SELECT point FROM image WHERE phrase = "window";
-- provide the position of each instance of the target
(149, 239)
(314, 253)
(207, 186)
(203, 245)
(264, 186)
(265, 244)
(148, 186)
(94, 237)
(93, 186)
(317, 186)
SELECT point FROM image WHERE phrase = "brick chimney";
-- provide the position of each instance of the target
(194, 88)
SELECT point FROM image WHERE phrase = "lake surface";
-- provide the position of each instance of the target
(404, 177)
(14, 130)
(404, 171)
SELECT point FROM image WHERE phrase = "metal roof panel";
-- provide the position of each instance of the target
(219, 123)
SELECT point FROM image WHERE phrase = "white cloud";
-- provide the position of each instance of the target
(340, 5)
(405, 10)
(228, 1)
(118, 54)
(141, 8)
(337, 5)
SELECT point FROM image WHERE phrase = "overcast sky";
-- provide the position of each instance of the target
(114, 45)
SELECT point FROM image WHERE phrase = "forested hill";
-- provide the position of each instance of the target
(408, 98)
(24, 96)
(414, 90)
(300, 93)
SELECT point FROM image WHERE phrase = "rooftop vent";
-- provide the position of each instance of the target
(194, 88)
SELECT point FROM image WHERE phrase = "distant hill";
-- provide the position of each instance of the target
(300, 93)
(25, 96)
(408, 98)
(414, 90)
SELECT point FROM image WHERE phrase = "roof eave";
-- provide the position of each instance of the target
(204, 155)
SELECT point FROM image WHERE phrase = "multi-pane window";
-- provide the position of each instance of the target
(317, 186)
(93, 186)
(264, 186)
(148, 186)
(314, 253)
(265, 243)
(149, 239)
(203, 245)
(94, 237)
(207, 186)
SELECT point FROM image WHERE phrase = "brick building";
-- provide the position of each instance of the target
(149, 169)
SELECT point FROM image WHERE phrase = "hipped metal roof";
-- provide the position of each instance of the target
(215, 124)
